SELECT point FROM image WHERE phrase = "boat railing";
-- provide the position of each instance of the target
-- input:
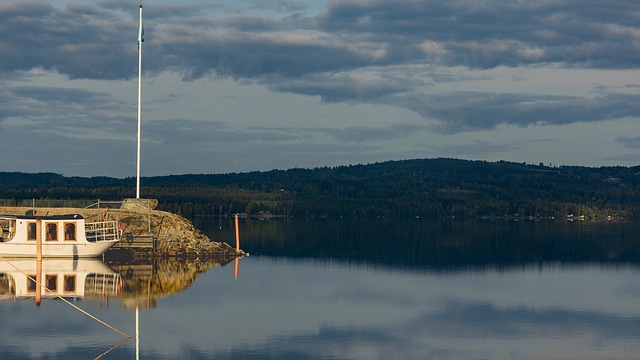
(102, 231)
(103, 284)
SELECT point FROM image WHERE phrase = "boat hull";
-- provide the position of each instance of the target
(61, 250)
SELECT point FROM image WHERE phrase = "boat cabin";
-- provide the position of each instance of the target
(60, 235)
(54, 228)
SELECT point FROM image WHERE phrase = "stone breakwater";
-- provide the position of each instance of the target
(176, 236)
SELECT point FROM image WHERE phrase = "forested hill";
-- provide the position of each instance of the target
(423, 188)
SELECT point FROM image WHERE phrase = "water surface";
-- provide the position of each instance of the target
(361, 290)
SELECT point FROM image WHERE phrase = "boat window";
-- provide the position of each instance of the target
(31, 231)
(52, 231)
(69, 283)
(69, 231)
(5, 229)
(51, 282)
(31, 283)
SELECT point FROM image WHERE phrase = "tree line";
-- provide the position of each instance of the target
(406, 189)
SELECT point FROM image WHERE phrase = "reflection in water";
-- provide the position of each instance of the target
(66, 278)
(325, 290)
(136, 284)
(145, 282)
(443, 245)
(63, 279)
(309, 309)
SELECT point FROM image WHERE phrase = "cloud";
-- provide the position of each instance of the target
(58, 95)
(284, 6)
(332, 88)
(467, 111)
(174, 140)
(77, 41)
(349, 35)
(461, 66)
(631, 142)
(48, 149)
(368, 133)
(473, 149)
(492, 33)
(67, 111)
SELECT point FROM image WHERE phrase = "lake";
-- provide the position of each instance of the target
(346, 290)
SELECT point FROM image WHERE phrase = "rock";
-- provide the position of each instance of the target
(176, 236)
(139, 204)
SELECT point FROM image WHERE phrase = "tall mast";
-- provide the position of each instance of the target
(140, 41)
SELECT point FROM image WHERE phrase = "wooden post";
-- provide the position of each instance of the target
(237, 235)
(38, 282)
(38, 260)
(39, 238)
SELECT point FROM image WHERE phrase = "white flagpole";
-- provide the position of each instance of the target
(140, 40)
(137, 334)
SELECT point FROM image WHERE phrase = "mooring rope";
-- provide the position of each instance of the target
(89, 315)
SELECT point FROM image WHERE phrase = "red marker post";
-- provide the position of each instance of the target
(237, 235)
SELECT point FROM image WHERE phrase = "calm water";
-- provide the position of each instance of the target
(349, 290)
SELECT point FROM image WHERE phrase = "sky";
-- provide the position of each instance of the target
(256, 85)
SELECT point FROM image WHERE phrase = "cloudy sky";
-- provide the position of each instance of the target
(244, 85)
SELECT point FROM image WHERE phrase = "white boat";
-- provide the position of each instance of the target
(60, 235)
(67, 278)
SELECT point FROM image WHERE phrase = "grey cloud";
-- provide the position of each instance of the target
(252, 24)
(631, 142)
(74, 100)
(44, 151)
(466, 111)
(84, 41)
(188, 145)
(278, 5)
(78, 41)
(9, 11)
(474, 149)
(492, 33)
(240, 55)
(185, 133)
(337, 87)
(64, 111)
(161, 12)
(632, 159)
(323, 55)
(368, 133)
(59, 95)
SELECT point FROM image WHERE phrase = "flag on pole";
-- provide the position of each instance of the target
(140, 31)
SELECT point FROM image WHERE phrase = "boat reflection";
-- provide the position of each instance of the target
(138, 283)
(59, 278)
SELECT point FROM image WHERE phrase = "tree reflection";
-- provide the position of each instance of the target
(438, 245)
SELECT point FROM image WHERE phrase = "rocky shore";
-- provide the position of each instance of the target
(175, 235)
